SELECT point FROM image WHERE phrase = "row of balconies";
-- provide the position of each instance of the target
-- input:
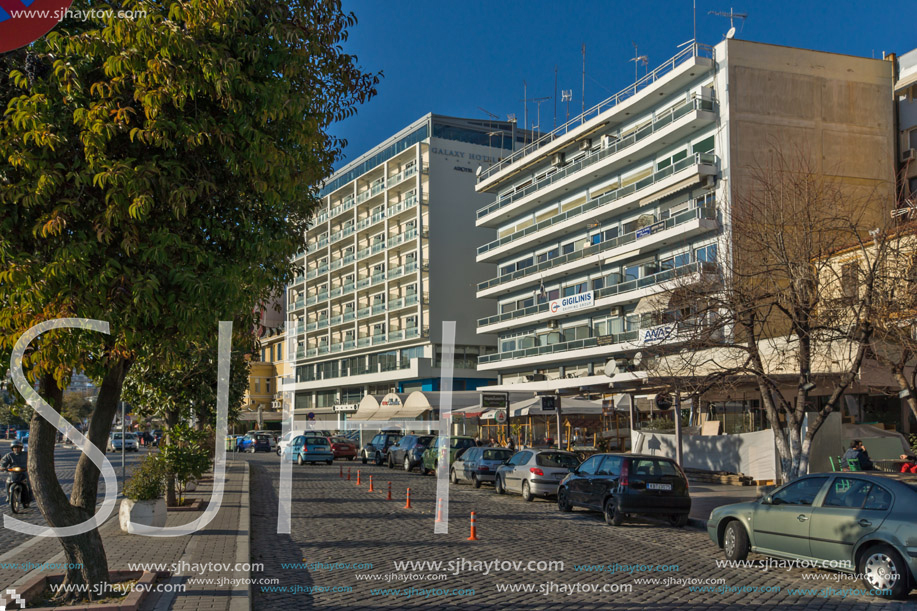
(393, 305)
(608, 291)
(697, 159)
(360, 284)
(364, 223)
(366, 341)
(628, 238)
(363, 253)
(351, 201)
(658, 123)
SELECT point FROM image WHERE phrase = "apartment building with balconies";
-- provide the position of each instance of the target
(592, 224)
(388, 258)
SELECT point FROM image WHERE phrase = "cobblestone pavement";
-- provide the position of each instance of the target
(335, 521)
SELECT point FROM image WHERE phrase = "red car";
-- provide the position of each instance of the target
(342, 447)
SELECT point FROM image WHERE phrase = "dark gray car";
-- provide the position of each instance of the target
(479, 465)
(377, 449)
(534, 473)
(408, 452)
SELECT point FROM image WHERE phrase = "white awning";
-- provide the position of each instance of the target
(568, 406)
(367, 408)
(906, 81)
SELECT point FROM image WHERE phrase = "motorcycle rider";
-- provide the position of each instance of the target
(17, 458)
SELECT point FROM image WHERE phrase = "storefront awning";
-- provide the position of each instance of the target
(560, 384)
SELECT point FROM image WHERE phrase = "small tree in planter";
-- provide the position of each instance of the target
(185, 457)
(143, 491)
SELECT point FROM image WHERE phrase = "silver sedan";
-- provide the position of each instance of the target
(534, 473)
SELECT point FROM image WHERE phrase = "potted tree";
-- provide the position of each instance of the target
(143, 502)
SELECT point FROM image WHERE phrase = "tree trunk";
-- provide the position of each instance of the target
(171, 420)
(86, 550)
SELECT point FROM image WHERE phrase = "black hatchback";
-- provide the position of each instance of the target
(621, 485)
(408, 453)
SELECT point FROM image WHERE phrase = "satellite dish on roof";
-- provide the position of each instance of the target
(611, 367)
(638, 359)
(731, 33)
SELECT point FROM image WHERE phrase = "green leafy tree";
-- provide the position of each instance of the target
(185, 457)
(158, 174)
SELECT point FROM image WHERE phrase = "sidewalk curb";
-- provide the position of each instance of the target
(698, 524)
(243, 545)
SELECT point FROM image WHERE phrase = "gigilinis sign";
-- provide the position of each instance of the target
(23, 22)
(572, 302)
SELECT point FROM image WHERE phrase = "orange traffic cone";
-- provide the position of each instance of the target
(348, 473)
(358, 477)
(408, 504)
(371, 484)
(341, 474)
(389, 497)
(474, 536)
(439, 511)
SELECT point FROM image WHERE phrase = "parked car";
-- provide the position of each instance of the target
(285, 439)
(621, 485)
(409, 451)
(271, 435)
(849, 522)
(309, 448)
(129, 442)
(534, 473)
(251, 442)
(377, 448)
(342, 447)
(478, 465)
(457, 445)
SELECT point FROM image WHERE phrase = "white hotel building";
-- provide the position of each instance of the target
(389, 257)
(614, 204)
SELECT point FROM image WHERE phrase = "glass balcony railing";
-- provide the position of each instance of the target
(694, 50)
(362, 283)
(379, 339)
(378, 278)
(299, 279)
(299, 303)
(301, 353)
(606, 199)
(378, 308)
(661, 121)
(335, 320)
(322, 324)
(300, 328)
(348, 316)
(627, 238)
(402, 206)
(395, 336)
(312, 352)
(323, 296)
(579, 344)
(405, 173)
(348, 288)
(371, 192)
(363, 342)
(312, 326)
(312, 300)
(608, 291)
(401, 238)
(343, 233)
(335, 293)
(343, 207)
(363, 312)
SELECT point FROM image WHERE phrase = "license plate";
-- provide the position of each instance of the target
(659, 486)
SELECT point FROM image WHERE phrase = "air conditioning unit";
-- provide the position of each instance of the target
(908, 155)
(537, 377)
(710, 182)
(557, 159)
(615, 311)
(586, 144)
(393, 389)
(552, 324)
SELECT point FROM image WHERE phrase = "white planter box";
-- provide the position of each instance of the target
(149, 513)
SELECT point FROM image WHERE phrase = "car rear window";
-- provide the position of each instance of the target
(497, 454)
(340, 440)
(425, 441)
(654, 468)
(316, 441)
(461, 443)
(557, 460)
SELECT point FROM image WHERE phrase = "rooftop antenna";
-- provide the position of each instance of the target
(732, 17)
(638, 59)
(538, 102)
(565, 96)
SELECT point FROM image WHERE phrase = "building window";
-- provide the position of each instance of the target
(267, 386)
(263, 357)
(706, 254)
(849, 281)
(257, 385)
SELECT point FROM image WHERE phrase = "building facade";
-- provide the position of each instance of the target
(389, 257)
(594, 221)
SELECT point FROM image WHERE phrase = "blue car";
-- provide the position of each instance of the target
(309, 448)
(253, 443)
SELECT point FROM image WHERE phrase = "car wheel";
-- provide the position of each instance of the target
(299, 460)
(351, 457)
(527, 495)
(735, 541)
(378, 460)
(407, 464)
(475, 481)
(563, 502)
(613, 516)
(364, 457)
(391, 462)
(453, 477)
(278, 451)
(499, 488)
(883, 569)
(678, 520)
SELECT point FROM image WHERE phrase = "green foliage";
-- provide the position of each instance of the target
(76, 407)
(148, 480)
(185, 455)
(912, 439)
(660, 425)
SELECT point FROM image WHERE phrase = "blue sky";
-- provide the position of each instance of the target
(456, 58)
